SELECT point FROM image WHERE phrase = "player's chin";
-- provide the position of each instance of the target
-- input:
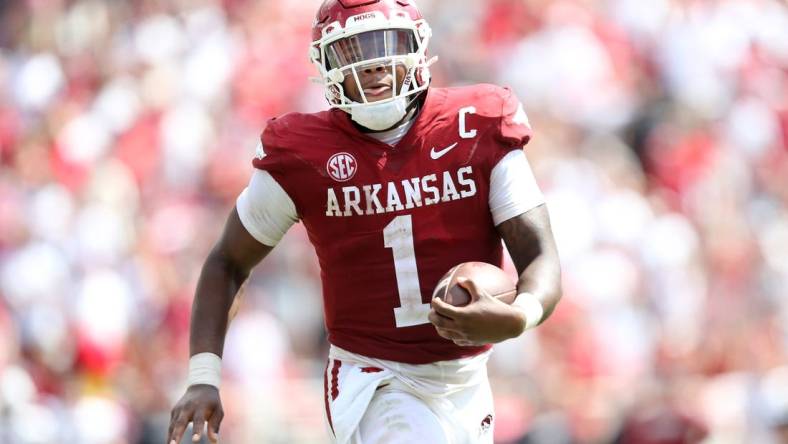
(377, 98)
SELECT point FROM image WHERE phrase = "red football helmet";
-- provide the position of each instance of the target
(349, 35)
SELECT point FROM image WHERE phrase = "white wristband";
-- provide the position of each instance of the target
(532, 307)
(205, 368)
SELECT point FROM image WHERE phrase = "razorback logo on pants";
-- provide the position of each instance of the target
(486, 424)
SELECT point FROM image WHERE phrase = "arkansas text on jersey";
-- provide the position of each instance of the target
(348, 201)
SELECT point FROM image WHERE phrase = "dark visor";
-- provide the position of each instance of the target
(370, 45)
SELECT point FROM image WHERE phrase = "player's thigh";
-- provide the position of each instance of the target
(473, 414)
(397, 417)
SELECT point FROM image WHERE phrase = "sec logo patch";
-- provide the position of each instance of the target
(341, 167)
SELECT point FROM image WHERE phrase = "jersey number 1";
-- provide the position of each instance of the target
(398, 235)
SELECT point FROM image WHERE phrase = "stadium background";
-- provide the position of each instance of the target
(127, 129)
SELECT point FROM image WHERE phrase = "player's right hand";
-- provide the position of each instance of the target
(200, 404)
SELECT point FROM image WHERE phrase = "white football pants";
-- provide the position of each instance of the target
(372, 401)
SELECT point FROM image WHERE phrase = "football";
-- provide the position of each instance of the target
(489, 277)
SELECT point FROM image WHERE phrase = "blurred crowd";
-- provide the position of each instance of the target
(661, 134)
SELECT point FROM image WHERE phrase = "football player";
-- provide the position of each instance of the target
(396, 183)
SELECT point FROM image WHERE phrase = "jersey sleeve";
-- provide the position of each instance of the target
(269, 155)
(265, 209)
(514, 130)
(275, 155)
(513, 189)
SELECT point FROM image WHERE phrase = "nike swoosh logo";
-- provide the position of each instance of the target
(435, 155)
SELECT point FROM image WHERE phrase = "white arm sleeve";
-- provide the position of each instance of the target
(513, 189)
(265, 209)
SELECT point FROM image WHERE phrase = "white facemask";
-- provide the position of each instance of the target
(380, 116)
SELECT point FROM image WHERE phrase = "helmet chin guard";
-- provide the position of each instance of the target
(379, 116)
(385, 34)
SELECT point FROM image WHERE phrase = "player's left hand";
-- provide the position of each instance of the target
(484, 320)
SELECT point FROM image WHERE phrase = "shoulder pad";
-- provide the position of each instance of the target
(293, 129)
(488, 99)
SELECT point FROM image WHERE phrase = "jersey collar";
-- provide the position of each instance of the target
(432, 106)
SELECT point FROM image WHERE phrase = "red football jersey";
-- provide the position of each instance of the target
(387, 222)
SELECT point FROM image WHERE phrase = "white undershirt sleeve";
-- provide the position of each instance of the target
(513, 189)
(265, 209)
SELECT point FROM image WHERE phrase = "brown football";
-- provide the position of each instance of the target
(489, 277)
